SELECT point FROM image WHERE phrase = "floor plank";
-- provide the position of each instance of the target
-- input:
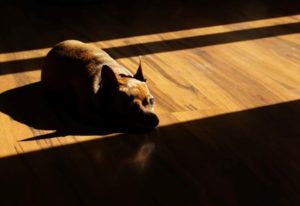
(226, 79)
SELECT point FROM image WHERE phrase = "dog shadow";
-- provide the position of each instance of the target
(30, 105)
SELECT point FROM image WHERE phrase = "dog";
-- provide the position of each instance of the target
(101, 86)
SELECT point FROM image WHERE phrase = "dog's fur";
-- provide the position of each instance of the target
(102, 87)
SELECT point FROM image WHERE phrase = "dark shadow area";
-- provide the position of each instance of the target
(31, 106)
(17, 66)
(36, 24)
(245, 158)
(168, 45)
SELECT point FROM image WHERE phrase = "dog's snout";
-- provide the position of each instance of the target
(151, 120)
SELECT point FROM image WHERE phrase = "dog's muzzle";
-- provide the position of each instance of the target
(147, 120)
(151, 120)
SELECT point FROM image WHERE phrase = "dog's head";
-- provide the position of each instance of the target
(128, 97)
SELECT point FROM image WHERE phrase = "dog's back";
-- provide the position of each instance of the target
(72, 62)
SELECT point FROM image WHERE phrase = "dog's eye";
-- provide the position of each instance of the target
(146, 101)
(151, 101)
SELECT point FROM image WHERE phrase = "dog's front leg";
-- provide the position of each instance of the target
(86, 104)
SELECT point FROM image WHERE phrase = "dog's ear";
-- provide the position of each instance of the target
(139, 73)
(108, 79)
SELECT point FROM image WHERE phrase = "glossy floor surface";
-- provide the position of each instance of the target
(226, 78)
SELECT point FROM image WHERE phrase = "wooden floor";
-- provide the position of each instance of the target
(226, 78)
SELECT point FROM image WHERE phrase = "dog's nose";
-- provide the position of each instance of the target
(151, 120)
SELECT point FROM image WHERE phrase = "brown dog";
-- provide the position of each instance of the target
(101, 86)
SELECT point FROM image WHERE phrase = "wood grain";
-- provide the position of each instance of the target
(227, 86)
